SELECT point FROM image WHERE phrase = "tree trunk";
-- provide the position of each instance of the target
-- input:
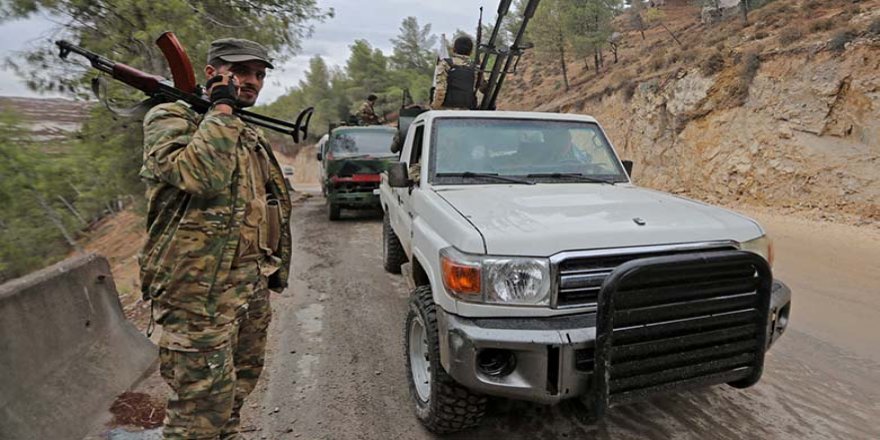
(670, 33)
(72, 210)
(596, 59)
(564, 69)
(744, 6)
(56, 220)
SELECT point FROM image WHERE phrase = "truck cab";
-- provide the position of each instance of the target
(541, 272)
(352, 158)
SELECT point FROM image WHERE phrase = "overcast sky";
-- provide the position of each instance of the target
(374, 20)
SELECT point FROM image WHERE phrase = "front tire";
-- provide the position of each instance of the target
(333, 211)
(442, 405)
(392, 251)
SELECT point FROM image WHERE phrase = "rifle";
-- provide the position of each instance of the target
(479, 42)
(184, 88)
(506, 56)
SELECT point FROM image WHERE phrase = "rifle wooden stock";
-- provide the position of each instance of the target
(181, 68)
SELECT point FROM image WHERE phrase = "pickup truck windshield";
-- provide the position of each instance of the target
(349, 142)
(531, 149)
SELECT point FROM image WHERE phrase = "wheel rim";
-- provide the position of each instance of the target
(419, 364)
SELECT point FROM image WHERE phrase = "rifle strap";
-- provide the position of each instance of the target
(152, 325)
(99, 88)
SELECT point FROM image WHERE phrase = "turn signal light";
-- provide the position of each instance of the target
(460, 278)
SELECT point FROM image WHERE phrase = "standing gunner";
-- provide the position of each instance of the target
(219, 241)
(456, 78)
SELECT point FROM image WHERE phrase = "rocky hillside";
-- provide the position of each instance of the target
(783, 112)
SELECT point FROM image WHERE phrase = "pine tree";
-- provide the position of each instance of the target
(413, 47)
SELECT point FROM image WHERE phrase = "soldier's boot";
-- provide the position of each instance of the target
(250, 354)
(203, 385)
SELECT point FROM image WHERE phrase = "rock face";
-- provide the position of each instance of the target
(806, 136)
(719, 10)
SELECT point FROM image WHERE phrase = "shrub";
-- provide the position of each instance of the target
(689, 57)
(713, 64)
(790, 35)
(838, 42)
(629, 89)
(748, 69)
(874, 27)
(822, 25)
(760, 35)
(658, 61)
(812, 5)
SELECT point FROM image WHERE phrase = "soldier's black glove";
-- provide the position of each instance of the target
(222, 90)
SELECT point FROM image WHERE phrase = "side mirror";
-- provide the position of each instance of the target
(628, 166)
(320, 156)
(398, 175)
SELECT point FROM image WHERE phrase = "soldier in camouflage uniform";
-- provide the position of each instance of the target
(367, 114)
(456, 91)
(219, 240)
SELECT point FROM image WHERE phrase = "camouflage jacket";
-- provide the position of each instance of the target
(207, 209)
(367, 114)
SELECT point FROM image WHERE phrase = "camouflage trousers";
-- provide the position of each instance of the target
(211, 378)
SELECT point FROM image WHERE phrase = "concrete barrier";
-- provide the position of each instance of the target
(66, 350)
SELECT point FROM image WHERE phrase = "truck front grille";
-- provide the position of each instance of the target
(681, 321)
(580, 278)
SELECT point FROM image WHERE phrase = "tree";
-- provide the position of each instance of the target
(367, 70)
(549, 33)
(413, 47)
(636, 20)
(657, 16)
(588, 22)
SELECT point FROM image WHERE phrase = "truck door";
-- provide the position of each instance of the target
(404, 195)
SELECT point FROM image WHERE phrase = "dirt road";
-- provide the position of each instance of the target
(335, 367)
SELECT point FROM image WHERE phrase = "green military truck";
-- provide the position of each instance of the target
(352, 159)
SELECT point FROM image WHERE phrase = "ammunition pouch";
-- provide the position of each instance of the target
(273, 230)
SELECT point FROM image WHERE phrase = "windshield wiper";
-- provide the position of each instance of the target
(578, 176)
(495, 176)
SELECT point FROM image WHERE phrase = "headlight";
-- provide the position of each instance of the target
(496, 280)
(762, 246)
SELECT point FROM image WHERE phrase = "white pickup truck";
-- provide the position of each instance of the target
(541, 273)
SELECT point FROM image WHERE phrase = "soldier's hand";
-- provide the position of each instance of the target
(222, 89)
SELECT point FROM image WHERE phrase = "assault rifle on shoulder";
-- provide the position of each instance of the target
(184, 87)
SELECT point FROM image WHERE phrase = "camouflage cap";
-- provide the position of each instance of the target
(237, 50)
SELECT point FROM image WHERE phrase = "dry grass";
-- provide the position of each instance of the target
(790, 35)
(712, 64)
(822, 25)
